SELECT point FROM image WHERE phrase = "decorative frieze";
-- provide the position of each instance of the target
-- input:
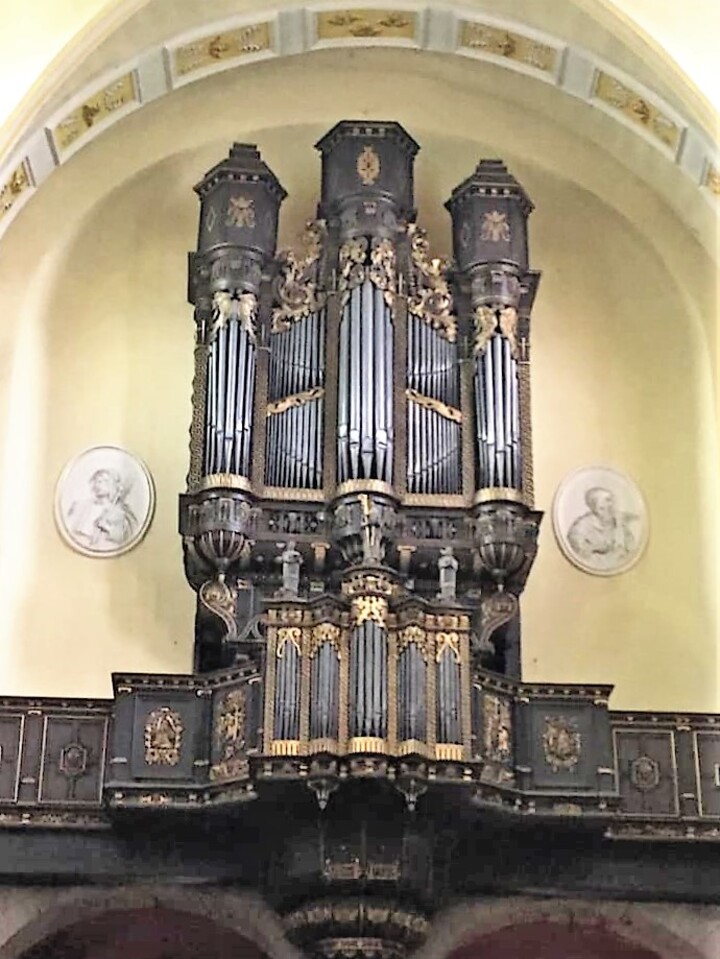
(506, 44)
(366, 24)
(219, 48)
(96, 109)
(637, 108)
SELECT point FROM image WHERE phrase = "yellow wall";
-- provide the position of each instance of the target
(97, 348)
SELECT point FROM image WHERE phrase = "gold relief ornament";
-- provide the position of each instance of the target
(449, 641)
(230, 737)
(241, 212)
(486, 323)
(324, 633)
(382, 270)
(220, 599)
(495, 227)
(351, 261)
(497, 728)
(430, 299)
(296, 285)
(163, 737)
(234, 305)
(289, 634)
(417, 636)
(511, 46)
(368, 165)
(369, 609)
(508, 320)
(561, 742)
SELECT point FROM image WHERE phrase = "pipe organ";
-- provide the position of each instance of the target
(359, 502)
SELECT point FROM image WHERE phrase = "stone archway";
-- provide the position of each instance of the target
(524, 928)
(145, 922)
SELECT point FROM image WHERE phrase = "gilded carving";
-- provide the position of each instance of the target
(234, 305)
(712, 180)
(15, 185)
(289, 634)
(220, 600)
(349, 24)
(324, 633)
(369, 609)
(430, 297)
(645, 773)
(508, 320)
(94, 110)
(382, 271)
(430, 403)
(163, 737)
(351, 261)
(368, 165)
(497, 729)
(496, 609)
(220, 47)
(485, 326)
(449, 641)
(297, 399)
(229, 734)
(417, 636)
(561, 743)
(296, 285)
(241, 212)
(636, 108)
(495, 227)
(509, 45)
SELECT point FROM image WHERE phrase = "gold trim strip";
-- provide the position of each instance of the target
(413, 747)
(437, 406)
(324, 746)
(296, 399)
(449, 500)
(225, 481)
(293, 493)
(365, 486)
(491, 493)
(367, 744)
(452, 752)
(285, 747)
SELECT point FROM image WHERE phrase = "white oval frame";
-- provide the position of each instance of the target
(144, 524)
(561, 539)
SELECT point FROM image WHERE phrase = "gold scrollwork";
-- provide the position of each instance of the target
(368, 165)
(220, 599)
(362, 583)
(289, 634)
(297, 399)
(636, 108)
(351, 262)
(416, 635)
(430, 403)
(430, 300)
(369, 608)
(449, 641)
(382, 271)
(163, 736)
(324, 633)
(296, 286)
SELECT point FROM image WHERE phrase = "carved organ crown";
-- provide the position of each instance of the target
(359, 503)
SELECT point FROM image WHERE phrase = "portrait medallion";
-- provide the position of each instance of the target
(104, 502)
(600, 520)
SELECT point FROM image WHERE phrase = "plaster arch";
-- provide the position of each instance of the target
(47, 913)
(685, 932)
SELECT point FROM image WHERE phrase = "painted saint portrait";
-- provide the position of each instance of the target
(600, 520)
(104, 502)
